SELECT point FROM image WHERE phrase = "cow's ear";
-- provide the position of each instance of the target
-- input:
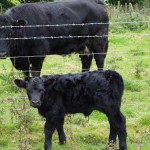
(20, 83)
(50, 81)
(20, 22)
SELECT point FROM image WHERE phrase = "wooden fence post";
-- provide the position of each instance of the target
(118, 8)
(126, 8)
(131, 9)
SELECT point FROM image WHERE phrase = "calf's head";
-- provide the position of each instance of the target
(35, 88)
(7, 30)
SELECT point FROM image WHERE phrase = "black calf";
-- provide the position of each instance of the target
(57, 95)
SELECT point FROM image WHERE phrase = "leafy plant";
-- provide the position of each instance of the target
(7, 79)
(138, 69)
(137, 51)
(132, 86)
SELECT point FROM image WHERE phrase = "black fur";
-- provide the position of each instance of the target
(57, 95)
(44, 13)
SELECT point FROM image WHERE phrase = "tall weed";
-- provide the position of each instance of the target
(7, 78)
(130, 19)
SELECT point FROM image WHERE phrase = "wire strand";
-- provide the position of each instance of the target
(74, 24)
(112, 52)
(70, 37)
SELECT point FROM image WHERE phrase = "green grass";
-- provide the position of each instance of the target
(21, 128)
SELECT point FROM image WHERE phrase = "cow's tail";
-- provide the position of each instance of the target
(116, 84)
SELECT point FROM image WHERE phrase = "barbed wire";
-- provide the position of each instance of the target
(71, 37)
(80, 54)
(88, 36)
(135, 115)
(105, 68)
(76, 24)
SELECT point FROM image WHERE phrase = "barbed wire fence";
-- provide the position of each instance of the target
(17, 106)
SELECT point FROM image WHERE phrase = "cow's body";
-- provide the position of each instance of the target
(57, 95)
(53, 13)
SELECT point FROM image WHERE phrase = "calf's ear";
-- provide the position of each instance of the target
(20, 83)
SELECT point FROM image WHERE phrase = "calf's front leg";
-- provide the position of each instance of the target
(54, 120)
(48, 131)
(50, 126)
(60, 130)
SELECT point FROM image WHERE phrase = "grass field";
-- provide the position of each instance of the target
(21, 128)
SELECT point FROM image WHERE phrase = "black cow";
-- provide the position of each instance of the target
(54, 13)
(57, 95)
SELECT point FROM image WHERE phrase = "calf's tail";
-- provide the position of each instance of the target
(116, 84)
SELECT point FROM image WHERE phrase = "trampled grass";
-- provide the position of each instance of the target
(21, 128)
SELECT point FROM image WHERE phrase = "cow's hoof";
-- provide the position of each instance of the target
(62, 142)
(111, 146)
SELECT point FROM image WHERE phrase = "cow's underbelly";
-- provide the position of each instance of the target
(68, 48)
(20, 63)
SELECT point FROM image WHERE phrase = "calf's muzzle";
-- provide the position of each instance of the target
(35, 103)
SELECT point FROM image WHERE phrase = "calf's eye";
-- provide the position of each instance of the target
(29, 91)
(42, 91)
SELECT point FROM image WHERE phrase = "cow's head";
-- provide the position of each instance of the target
(35, 88)
(8, 27)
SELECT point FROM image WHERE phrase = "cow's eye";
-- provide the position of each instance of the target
(9, 34)
(41, 90)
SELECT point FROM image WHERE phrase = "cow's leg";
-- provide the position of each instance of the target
(60, 130)
(37, 63)
(99, 58)
(99, 47)
(86, 61)
(118, 126)
(26, 73)
(22, 64)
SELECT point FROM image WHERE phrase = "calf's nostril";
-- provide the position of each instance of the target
(35, 102)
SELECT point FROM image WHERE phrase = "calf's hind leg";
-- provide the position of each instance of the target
(117, 126)
(113, 134)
